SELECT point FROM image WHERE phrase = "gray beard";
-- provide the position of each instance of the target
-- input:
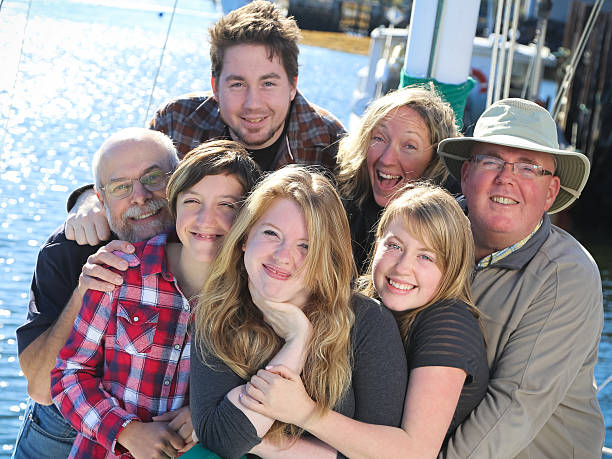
(126, 231)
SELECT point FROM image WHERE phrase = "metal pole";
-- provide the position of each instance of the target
(502, 54)
(494, 50)
(514, 31)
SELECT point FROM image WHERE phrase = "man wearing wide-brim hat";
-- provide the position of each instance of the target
(539, 290)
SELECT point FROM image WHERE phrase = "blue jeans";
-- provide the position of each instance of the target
(44, 433)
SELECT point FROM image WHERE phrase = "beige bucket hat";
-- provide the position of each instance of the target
(522, 124)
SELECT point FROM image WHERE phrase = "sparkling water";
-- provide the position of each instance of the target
(71, 73)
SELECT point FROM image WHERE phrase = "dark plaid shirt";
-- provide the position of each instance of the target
(127, 357)
(311, 136)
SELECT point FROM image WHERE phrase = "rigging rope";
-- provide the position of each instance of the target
(12, 93)
(571, 68)
(161, 59)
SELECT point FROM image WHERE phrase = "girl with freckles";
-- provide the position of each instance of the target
(279, 293)
(420, 271)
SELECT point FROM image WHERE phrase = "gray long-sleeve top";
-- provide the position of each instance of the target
(376, 394)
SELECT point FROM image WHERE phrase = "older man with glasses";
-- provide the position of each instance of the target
(131, 170)
(539, 290)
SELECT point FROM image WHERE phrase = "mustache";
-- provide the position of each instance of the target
(150, 207)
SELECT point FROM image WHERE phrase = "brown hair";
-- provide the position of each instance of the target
(212, 158)
(353, 180)
(259, 23)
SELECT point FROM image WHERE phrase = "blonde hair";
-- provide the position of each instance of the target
(431, 215)
(229, 326)
(353, 180)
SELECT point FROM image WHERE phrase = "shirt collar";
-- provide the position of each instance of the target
(495, 257)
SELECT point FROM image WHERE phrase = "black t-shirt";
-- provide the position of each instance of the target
(447, 334)
(56, 276)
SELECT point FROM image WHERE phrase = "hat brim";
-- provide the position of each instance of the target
(572, 168)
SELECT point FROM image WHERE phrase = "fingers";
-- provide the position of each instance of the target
(119, 245)
(185, 431)
(283, 371)
(176, 442)
(167, 416)
(254, 393)
(92, 229)
(102, 231)
(180, 420)
(105, 255)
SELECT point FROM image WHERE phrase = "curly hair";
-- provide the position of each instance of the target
(353, 180)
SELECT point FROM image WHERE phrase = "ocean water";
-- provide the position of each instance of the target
(71, 73)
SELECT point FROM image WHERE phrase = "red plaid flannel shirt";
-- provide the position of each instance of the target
(127, 356)
(312, 134)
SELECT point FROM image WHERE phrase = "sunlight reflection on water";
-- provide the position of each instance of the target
(87, 69)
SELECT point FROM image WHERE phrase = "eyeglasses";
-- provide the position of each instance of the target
(525, 170)
(153, 180)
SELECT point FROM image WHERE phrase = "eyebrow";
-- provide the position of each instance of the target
(267, 76)
(147, 170)
(230, 196)
(399, 239)
(280, 230)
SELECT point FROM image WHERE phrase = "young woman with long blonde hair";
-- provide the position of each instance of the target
(279, 293)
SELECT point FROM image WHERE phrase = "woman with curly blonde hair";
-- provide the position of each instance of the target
(279, 293)
(396, 142)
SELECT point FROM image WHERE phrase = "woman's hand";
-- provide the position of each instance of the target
(287, 320)
(278, 392)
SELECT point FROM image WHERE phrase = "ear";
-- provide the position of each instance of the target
(294, 87)
(465, 172)
(214, 88)
(99, 196)
(552, 190)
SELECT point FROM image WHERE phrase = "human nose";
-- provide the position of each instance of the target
(404, 264)
(139, 193)
(282, 253)
(206, 216)
(506, 173)
(389, 154)
(252, 99)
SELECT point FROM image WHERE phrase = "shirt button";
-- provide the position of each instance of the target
(166, 382)
(177, 347)
(136, 319)
(186, 307)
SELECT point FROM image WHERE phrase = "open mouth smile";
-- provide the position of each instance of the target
(400, 286)
(147, 215)
(388, 181)
(276, 273)
(503, 200)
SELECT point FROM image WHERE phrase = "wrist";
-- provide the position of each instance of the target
(301, 336)
(125, 434)
(308, 421)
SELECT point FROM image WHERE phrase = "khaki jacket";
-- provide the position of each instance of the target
(543, 317)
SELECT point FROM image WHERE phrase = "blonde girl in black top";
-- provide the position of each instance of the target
(421, 271)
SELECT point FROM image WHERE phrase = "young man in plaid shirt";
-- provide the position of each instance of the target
(254, 101)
